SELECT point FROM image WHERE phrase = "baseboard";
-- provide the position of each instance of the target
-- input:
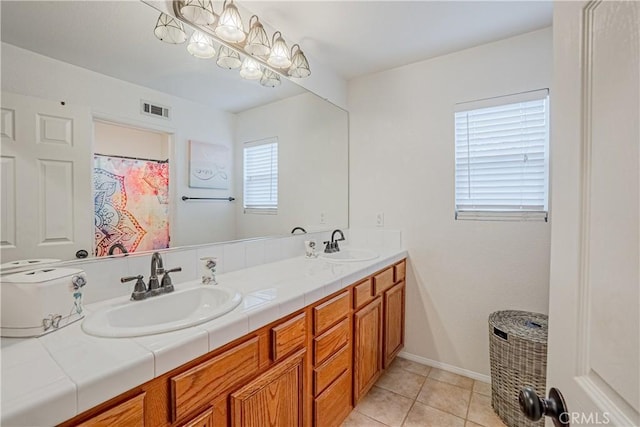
(445, 367)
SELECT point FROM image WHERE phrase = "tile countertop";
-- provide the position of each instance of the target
(51, 379)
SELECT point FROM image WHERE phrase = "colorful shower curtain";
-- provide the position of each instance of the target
(131, 204)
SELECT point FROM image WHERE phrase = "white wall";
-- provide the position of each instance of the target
(312, 160)
(402, 164)
(113, 139)
(27, 73)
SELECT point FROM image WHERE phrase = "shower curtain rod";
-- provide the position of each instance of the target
(132, 158)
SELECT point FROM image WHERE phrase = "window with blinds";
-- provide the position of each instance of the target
(260, 167)
(502, 157)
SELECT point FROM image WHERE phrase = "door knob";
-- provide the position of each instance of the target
(82, 254)
(534, 407)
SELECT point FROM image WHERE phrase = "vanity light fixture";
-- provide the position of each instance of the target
(264, 60)
(229, 27)
(169, 30)
(279, 56)
(250, 69)
(257, 39)
(228, 58)
(270, 78)
(201, 45)
(299, 64)
(198, 11)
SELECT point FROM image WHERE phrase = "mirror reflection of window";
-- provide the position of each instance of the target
(130, 189)
(260, 176)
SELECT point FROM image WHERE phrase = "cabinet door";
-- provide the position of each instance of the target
(367, 353)
(334, 404)
(275, 398)
(393, 322)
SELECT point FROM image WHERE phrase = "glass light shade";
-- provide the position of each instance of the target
(257, 40)
(201, 45)
(169, 30)
(250, 69)
(270, 78)
(279, 56)
(228, 58)
(229, 26)
(198, 11)
(299, 64)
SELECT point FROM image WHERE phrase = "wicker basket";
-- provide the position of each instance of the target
(518, 353)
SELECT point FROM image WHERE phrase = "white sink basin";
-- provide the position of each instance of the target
(350, 255)
(164, 313)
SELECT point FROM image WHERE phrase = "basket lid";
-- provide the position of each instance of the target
(526, 324)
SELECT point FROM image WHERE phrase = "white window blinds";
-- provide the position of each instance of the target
(502, 165)
(261, 176)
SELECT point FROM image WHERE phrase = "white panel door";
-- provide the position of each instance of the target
(594, 313)
(46, 179)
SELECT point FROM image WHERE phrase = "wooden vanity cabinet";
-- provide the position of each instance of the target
(306, 369)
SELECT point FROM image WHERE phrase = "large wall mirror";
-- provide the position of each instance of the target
(85, 167)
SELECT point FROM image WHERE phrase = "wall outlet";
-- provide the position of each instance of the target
(380, 219)
(323, 217)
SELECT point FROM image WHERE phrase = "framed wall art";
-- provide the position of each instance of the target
(209, 165)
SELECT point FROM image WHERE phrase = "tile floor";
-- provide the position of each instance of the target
(410, 394)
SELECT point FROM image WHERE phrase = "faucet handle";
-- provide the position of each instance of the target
(167, 285)
(139, 290)
(129, 278)
(327, 248)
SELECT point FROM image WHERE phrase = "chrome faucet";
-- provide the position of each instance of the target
(332, 246)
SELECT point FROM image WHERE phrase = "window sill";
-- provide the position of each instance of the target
(261, 211)
(501, 216)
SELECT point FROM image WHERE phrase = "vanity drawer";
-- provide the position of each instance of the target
(288, 336)
(362, 293)
(383, 280)
(331, 341)
(329, 312)
(334, 404)
(202, 383)
(129, 413)
(401, 270)
(324, 374)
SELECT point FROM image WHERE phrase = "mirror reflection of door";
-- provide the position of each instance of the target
(44, 178)
(130, 189)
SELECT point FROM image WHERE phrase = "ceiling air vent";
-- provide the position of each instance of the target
(154, 110)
